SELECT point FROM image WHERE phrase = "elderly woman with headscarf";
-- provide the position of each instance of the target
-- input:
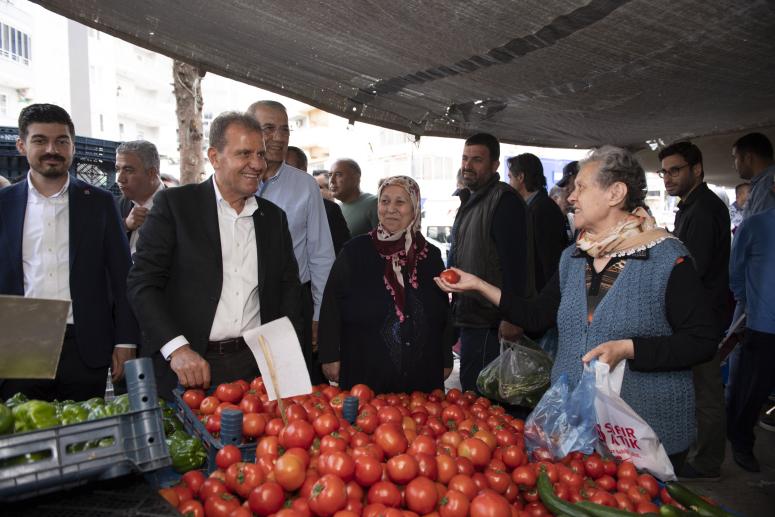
(383, 322)
(625, 290)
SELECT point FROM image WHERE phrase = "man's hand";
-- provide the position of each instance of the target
(191, 368)
(136, 218)
(120, 356)
(331, 370)
(611, 352)
(314, 336)
(509, 332)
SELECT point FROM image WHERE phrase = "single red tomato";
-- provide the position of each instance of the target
(298, 433)
(463, 484)
(450, 276)
(627, 471)
(229, 392)
(367, 470)
(266, 499)
(606, 482)
(384, 492)
(328, 496)
(251, 403)
(390, 437)
(192, 508)
(402, 468)
(242, 478)
(325, 424)
(193, 398)
(594, 467)
(453, 504)
(421, 495)
(211, 487)
(623, 502)
(524, 476)
(227, 456)
(209, 405)
(221, 505)
(253, 424)
(648, 482)
(194, 480)
(289, 472)
(475, 450)
(646, 507)
(338, 463)
(490, 504)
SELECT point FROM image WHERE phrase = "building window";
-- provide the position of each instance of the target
(15, 44)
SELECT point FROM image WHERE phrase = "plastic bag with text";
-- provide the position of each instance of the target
(518, 376)
(622, 431)
(564, 420)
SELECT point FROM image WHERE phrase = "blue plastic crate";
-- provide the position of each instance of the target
(196, 428)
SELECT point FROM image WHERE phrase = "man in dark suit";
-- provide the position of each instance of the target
(61, 238)
(526, 175)
(212, 262)
(137, 175)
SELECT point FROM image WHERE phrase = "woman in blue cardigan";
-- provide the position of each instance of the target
(626, 289)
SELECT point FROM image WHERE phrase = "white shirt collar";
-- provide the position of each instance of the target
(149, 202)
(251, 205)
(38, 195)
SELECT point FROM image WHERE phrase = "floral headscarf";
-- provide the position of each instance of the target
(637, 231)
(403, 249)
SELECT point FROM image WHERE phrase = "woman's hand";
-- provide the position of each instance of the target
(331, 370)
(611, 352)
(467, 282)
(447, 373)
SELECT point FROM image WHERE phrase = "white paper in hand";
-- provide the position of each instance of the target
(282, 343)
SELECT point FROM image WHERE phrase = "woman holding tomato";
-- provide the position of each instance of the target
(625, 290)
(382, 321)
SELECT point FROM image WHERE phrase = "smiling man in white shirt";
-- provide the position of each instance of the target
(61, 238)
(137, 175)
(212, 262)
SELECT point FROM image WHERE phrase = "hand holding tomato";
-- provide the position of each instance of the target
(454, 280)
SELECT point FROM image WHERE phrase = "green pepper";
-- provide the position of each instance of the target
(187, 452)
(101, 412)
(33, 415)
(17, 399)
(171, 425)
(121, 404)
(6, 420)
(73, 414)
(92, 403)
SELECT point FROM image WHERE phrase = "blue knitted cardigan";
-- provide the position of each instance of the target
(633, 307)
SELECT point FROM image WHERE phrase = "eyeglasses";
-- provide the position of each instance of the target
(269, 129)
(672, 171)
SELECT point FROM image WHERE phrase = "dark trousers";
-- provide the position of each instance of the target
(74, 380)
(478, 348)
(231, 366)
(707, 453)
(310, 356)
(750, 385)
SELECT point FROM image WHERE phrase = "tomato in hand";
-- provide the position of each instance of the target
(450, 276)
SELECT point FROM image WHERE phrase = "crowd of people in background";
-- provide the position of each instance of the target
(189, 269)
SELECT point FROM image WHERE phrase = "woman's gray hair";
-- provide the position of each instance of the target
(617, 164)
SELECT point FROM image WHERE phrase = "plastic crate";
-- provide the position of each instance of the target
(212, 445)
(138, 445)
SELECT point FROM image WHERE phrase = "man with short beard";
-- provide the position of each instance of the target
(61, 238)
(702, 223)
(490, 240)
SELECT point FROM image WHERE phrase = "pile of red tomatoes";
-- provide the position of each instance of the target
(416, 454)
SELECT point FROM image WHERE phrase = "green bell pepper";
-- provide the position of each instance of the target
(34, 415)
(187, 452)
(73, 414)
(6, 420)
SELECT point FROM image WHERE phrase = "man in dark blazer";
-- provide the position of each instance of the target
(62, 238)
(212, 262)
(526, 175)
(137, 176)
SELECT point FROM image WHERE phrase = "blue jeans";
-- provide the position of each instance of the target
(478, 348)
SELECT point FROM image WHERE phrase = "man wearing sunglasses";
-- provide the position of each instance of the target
(702, 223)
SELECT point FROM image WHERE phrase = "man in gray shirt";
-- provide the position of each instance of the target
(359, 208)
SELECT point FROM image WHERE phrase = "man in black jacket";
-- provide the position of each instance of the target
(212, 262)
(702, 223)
(526, 175)
(490, 241)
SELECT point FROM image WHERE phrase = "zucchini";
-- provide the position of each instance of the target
(694, 502)
(556, 505)
(668, 510)
(598, 510)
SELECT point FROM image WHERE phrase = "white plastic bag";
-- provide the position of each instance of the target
(623, 432)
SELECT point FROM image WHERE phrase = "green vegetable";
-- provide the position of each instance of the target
(92, 403)
(187, 452)
(73, 414)
(171, 425)
(34, 415)
(520, 375)
(668, 510)
(598, 510)
(121, 403)
(694, 502)
(6, 420)
(556, 505)
(17, 399)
